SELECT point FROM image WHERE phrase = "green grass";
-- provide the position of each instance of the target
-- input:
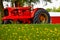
(29, 32)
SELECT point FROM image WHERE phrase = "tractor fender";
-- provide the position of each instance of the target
(34, 11)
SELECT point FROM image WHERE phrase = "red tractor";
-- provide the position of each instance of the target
(25, 15)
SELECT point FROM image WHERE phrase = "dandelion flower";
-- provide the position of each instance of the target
(8, 29)
(26, 38)
(51, 31)
(46, 28)
(37, 29)
(55, 29)
(19, 39)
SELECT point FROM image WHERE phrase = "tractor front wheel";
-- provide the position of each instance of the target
(41, 16)
(7, 22)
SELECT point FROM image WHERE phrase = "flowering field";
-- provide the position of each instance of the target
(29, 32)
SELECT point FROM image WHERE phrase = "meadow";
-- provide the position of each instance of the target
(29, 32)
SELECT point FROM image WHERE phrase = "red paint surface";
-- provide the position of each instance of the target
(55, 20)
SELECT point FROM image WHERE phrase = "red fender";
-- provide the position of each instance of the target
(34, 11)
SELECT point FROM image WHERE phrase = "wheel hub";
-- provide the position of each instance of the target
(43, 18)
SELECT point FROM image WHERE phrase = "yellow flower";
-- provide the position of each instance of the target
(8, 29)
(51, 31)
(44, 39)
(58, 34)
(34, 35)
(37, 32)
(26, 24)
(32, 28)
(19, 39)
(47, 38)
(37, 35)
(53, 34)
(26, 38)
(14, 33)
(44, 32)
(46, 28)
(40, 32)
(30, 33)
(22, 28)
(56, 29)
(19, 28)
(37, 29)
(40, 39)
(56, 39)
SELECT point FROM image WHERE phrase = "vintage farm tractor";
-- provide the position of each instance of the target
(25, 15)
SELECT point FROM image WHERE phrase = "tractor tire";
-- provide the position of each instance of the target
(7, 22)
(41, 16)
(18, 22)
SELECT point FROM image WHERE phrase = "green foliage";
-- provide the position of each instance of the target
(28, 1)
(29, 32)
(53, 10)
(48, 0)
(49, 9)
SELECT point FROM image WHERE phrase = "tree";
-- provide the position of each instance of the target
(1, 10)
(21, 2)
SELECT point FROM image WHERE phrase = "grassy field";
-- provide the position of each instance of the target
(29, 32)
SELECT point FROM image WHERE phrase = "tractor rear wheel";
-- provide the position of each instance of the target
(41, 16)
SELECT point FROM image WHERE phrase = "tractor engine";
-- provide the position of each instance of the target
(17, 14)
